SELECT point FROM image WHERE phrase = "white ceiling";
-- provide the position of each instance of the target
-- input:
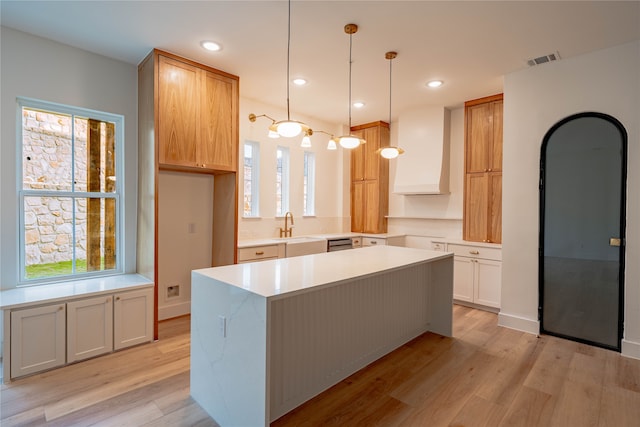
(468, 45)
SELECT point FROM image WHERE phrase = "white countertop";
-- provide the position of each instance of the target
(248, 243)
(62, 291)
(458, 241)
(286, 275)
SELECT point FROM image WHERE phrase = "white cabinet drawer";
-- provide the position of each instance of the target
(475, 251)
(373, 241)
(438, 246)
(257, 253)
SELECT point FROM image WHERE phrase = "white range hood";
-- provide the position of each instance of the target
(424, 167)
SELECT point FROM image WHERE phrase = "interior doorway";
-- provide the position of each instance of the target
(582, 224)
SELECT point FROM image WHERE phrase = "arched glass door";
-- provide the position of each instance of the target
(582, 224)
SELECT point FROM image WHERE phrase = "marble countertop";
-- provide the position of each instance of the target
(63, 291)
(277, 277)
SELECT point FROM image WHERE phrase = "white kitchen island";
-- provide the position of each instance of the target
(267, 336)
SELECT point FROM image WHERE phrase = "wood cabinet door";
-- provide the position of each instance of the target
(357, 206)
(38, 337)
(495, 153)
(217, 147)
(358, 158)
(371, 158)
(476, 208)
(178, 112)
(494, 233)
(373, 216)
(478, 137)
(89, 328)
(132, 318)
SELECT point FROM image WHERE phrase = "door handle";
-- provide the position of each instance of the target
(615, 241)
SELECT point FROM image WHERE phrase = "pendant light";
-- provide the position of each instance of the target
(287, 128)
(390, 152)
(349, 141)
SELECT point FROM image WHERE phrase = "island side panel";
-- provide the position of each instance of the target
(322, 336)
(441, 298)
(228, 364)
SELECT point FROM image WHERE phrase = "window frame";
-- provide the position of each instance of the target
(309, 184)
(255, 179)
(118, 194)
(284, 181)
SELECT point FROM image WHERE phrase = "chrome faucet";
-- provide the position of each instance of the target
(287, 231)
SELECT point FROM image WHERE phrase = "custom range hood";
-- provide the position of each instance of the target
(424, 169)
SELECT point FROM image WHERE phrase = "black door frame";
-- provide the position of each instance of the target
(623, 216)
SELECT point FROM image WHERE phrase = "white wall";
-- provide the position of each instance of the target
(332, 177)
(42, 69)
(606, 81)
(185, 227)
(421, 217)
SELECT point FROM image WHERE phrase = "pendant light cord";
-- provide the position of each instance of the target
(390, 61)
(288, 58)
(350, 62)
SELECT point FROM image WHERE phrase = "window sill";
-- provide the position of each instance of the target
(64, 291)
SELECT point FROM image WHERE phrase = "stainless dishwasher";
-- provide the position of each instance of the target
(339, 244)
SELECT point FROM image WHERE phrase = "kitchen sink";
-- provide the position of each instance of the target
(297, 246)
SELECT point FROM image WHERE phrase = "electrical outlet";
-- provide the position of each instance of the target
(173, 291)
(222, 323)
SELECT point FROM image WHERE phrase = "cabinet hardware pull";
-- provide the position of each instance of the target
(61, 308)
(260, 253)
(474, 252)
(373, 242)
(117, 298)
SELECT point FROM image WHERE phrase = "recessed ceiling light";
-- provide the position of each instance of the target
(211, 46)
(435, 83)
(299, 82)
(358, 104)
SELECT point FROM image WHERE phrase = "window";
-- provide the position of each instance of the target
(309, 185)
(282, 181)
(70, 191)
(251, 179)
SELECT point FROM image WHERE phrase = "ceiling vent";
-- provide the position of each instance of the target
(543, 59)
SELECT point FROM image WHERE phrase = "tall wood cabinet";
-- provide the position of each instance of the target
(370, 180)
(483, 170)
(187, 122)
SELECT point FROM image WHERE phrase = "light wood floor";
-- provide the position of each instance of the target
(484, 376)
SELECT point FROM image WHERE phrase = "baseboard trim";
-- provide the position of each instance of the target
(519, 323)
(174, 310)
(631, 349)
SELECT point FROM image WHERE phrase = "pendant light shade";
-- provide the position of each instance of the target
(306, 141)
(350, 141)
(286, 128)
(390, 152)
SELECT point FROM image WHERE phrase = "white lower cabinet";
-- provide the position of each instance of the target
(132, 318)
(49, 336)
(89, 328)
(38, 337)
(477, 273)
(260, 253)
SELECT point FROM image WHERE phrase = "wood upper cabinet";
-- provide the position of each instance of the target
(483, 170)
(483, 124)
(369, 180)
(197, 116)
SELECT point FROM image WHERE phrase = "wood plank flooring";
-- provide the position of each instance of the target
(484, 376)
